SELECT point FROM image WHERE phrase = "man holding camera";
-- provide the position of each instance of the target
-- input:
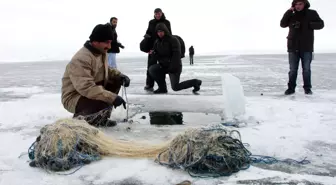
(302, 22)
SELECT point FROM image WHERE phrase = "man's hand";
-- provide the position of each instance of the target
(125, 81)
(150, 52)
(118, 101)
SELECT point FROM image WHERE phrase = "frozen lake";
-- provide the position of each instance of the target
(294, 127)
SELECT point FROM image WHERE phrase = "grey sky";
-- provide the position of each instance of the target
(34, 30)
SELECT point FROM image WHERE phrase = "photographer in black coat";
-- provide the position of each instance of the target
(167, 52)
(302, 22)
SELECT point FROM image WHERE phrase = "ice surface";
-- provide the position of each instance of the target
(294, 127)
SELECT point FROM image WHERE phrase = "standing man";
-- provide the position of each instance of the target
(115, 45)
(191, 55)
(89, 87)
(159, 17)
(302, 22)
(167, 51)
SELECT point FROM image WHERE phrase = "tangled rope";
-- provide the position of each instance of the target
(202, 152)
(69, 153)
(212, 153)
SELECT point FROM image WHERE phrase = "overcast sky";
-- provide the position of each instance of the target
(35, 30)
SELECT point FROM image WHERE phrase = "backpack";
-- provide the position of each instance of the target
(182, 45)
(144, 45)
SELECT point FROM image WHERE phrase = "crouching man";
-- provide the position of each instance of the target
(89, 87)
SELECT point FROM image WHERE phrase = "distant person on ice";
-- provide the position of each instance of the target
(302, 22)
(151, 36)
(191, 55)
(115, 44)
(167, 51)
(88, 84)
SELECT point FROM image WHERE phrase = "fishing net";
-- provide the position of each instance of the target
(207, 151)
(203, 152)
(68, 143)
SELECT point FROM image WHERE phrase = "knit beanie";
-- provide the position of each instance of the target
(101, 33)
(157, 10)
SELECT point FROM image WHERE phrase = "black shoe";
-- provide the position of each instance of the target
(197, 87)
(308, 91)
(160, 91)
(289, 91)
(109, 123)
(148, 88)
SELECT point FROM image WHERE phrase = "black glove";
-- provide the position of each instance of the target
(125, 80)
(118, 101)
(122, 46)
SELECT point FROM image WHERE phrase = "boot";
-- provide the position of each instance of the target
(148, 88)
(109, 123)
(289, 91)
(308, 91)
(160, 91)
(197, 87)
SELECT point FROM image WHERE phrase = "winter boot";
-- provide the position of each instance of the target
(160, 91)
(308, 91)
(148, 88)
(109, 123)
(289, 91)
(197, 87)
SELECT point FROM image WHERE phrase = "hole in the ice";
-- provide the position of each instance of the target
(160, 118)
(166, 118)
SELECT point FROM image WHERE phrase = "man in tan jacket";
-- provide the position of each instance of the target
(89, 87)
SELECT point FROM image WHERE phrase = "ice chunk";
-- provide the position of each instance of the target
(233, 95)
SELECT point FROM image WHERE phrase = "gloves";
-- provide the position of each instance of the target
(118, 101)
(122, 46)
(125, 80)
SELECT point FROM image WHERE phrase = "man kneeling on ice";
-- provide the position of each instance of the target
(89, 85)
(167, 51)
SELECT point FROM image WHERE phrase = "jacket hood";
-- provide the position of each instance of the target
(163, 27)
(307, 4)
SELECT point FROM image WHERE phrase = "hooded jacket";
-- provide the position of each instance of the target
(167, 50)
(151, 28)
(301, 27)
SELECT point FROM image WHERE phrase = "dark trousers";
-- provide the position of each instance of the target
(294, 60)
(96, 112)
(149, 80)
(191, 58)
(159, 75)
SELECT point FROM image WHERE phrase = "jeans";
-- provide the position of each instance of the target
(294, 60)
(112, 60)
(159, 75)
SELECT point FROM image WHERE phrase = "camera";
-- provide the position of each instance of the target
(296, 25)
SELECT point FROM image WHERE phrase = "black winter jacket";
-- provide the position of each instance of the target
(301, 28)
(115, 45)
(167, 51)
(151, 31)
